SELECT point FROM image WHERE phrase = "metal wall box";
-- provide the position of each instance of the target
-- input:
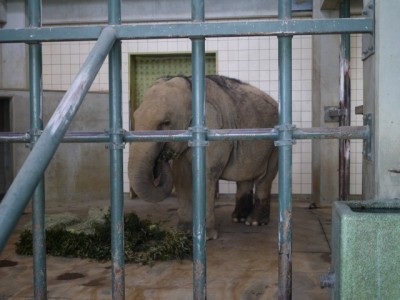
(366, 250)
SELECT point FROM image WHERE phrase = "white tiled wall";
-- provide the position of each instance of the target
(356, 69)
(250, 59)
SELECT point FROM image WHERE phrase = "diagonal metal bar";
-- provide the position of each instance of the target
(17, 197)
(191, 30)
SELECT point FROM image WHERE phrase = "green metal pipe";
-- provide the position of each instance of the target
(116, 159)
(198, 144)
(38, 197)
(347, 132)
(17, 197)
(190, 30)
(285, 143)
(15, 137)
(36, 125)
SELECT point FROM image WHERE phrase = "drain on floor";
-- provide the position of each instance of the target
(7, 263)
(70, 276)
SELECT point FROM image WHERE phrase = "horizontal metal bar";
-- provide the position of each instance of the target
(344, 132)
(242, 134)
(15, 137)
(190, 30)
(158, 136)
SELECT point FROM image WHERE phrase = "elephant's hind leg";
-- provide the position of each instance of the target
(262, 202)
(244, 201)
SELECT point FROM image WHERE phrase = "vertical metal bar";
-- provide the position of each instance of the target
(285, 156)
(116, 159)
(345, 107)
(199, 157)
(36, 124)
(17, 197)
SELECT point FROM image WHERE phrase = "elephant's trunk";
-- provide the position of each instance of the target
(150, 178)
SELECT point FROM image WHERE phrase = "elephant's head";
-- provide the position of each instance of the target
(166, 106)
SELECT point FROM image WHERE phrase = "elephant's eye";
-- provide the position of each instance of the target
(164, 124)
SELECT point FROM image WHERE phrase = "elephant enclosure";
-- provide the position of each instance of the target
(241, 264)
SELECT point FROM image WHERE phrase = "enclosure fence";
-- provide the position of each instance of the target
(29, 180)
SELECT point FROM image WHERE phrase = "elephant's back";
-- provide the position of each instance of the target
(247, 105)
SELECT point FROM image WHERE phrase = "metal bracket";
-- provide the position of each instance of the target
(368, 39)
(115, 146)
(198, 129)
(332, 114)
(285, 142)
(33, 136)
(367, 143)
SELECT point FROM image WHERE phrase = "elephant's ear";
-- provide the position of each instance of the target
(214, 118)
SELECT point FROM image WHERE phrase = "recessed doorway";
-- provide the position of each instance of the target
(5, 148)
(147, 68)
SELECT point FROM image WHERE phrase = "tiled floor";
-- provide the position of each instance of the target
(241, 264)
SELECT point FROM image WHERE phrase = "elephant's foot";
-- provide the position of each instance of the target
(260, 214)
(243, 208)
(211, 234)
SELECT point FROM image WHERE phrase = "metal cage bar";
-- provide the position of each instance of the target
(199, 157)
(285, 157)
(348, 132)
(36, 125)
(344, 107)
(188, 30)
(116, 159)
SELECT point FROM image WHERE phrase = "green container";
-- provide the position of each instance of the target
(366, 250)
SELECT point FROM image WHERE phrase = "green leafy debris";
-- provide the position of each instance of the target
(145, 242)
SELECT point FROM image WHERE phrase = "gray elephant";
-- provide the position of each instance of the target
(230, 104)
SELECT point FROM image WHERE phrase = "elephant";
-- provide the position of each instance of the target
(155, 167)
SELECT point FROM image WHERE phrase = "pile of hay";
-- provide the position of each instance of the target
(145, 242)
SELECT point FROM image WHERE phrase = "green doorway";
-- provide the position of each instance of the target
(146, 68)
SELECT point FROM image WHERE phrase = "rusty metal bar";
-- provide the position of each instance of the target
(344, 106)
(285, 144)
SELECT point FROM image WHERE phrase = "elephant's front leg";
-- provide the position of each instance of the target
(182, 170)
(211, 192)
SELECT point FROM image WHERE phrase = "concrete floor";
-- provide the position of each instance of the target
(241, 264)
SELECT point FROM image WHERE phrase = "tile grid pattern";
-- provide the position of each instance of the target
(250, 59)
